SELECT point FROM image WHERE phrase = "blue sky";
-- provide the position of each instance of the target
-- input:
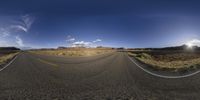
(114, 23)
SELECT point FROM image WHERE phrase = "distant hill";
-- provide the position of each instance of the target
(9, 48)
(98, 47)
(25, 48)
(183, 47)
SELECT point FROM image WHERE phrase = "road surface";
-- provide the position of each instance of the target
(105, 77)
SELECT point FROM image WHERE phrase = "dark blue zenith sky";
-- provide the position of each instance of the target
(90, 23)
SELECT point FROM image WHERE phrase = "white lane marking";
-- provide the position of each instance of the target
(163, 76)
(9, 63)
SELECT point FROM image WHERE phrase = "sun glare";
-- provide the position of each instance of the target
(189, 45)
(194, 42)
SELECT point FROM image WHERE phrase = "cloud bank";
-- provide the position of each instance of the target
(97, 40)
(81, 44)
(71, 41)
(194, 42)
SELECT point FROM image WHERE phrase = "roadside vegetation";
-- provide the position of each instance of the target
(74, 52)
(5, 58)
(172, 60)
(7, 53)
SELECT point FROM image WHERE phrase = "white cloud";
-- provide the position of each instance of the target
(28, 20)
(24, 24)
(4, 32)
(4, 43)
(70, 38)
(194, 42)
(73, 43)
(7, 42)
(8, 33)
(81, 44)
(19, 28)
(19, 41)
(97, 40)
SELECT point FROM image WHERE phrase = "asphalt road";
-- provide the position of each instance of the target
(105, 77)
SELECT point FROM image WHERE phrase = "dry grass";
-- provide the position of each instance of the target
(169, 61)
(74, 52)
(5, 58)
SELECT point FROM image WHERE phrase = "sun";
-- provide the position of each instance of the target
(189, 45)
(192, 43)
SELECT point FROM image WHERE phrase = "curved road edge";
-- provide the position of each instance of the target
(160, 75)
(10, 62)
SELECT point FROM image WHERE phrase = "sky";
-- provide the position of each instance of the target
(91, 23)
